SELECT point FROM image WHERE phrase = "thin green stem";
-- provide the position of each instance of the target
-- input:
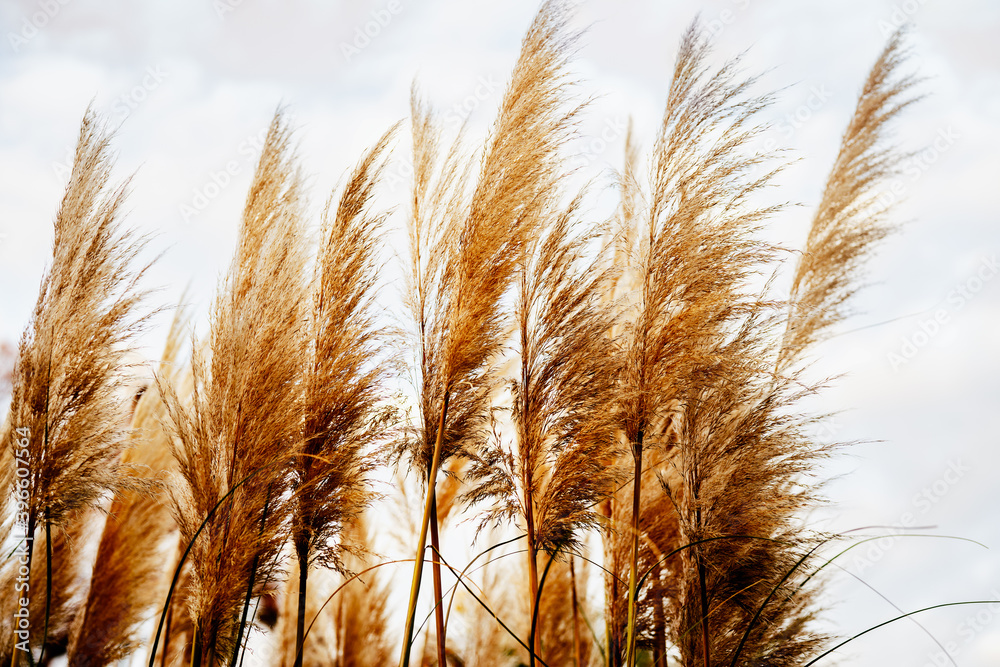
(760, 609)
(418, 566)
(893, 620)
(180, 564)
(466, 569)
(341, 587)
(250, 583)
(492, 613)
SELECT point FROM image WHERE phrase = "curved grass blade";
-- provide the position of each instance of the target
(893, 620)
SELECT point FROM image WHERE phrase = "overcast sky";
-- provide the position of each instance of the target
(193, 85)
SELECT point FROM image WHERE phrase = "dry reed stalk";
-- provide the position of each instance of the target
(660, 535)
(692, 256)
(235, 441)
(621, 245)
(363, 613)
(743, 460)
(64, 412)
(486, 642)
(437, 201)
(562, 463)
(349, 619)
(128, 576)
(463, 329)
(851, 218)
(740, 458)
(345, 417)
(61, 604)
(743, 452)
(563, 640)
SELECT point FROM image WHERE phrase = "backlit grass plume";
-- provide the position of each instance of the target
(851, 218)
(562, 625)
(128, 579)
(561, 466)
(740, 484)
(465, 326)
(236, 438)
(694, 252)
(346, 615)
(66, 420)
(630, 402)
(361, 614)
(345, 414)
(660, 534)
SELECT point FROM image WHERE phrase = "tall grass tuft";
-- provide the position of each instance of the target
(561, 465)
(347, 616)
(345, 415)
(65, 420)
(470, 272)
(641, 392)
(364, 636)
(660, 534)
(695, 250)
(237, 437)
(851, 218)
(128, 579)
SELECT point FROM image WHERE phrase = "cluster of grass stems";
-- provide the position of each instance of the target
(630, 388)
